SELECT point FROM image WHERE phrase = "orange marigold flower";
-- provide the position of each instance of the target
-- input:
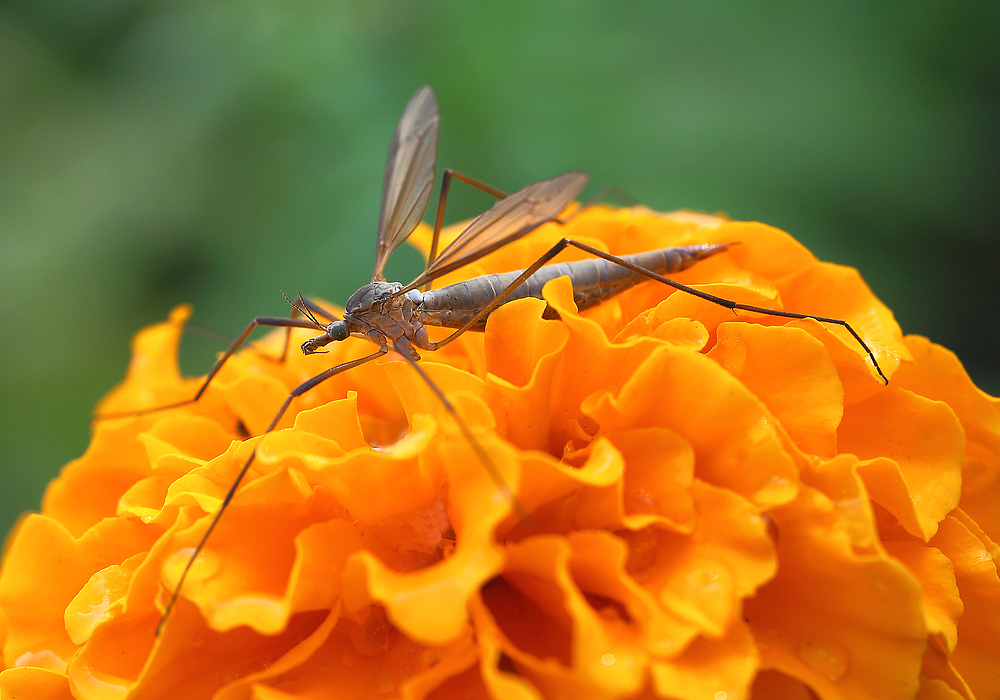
(722, 507)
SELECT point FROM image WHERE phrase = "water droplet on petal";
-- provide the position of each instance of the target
(827, 658)
(608, 659)
(206, 565)
(42, 659)
(775, 489)
(710, 588)
(732, 355)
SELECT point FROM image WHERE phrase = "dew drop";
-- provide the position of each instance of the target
(775, 489)
(721, 695)
(42, 659)
(710, 587)
(608, 659)
(639, 501)
(206, 565)
(827, 658)
(732, 355)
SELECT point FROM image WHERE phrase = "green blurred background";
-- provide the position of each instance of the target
(161, 151)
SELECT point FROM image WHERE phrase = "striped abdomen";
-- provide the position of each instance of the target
(594, 280)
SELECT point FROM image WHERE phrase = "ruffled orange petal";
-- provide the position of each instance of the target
(768, 251)
(854, 302)
(653, 488)
(941, 601)
(718, 509)
(720, 668)
(938, 677)
(190, 660)
(555, 493)
(35, 683)
(430, 605)
(578, 647)
(924, 441)
(703, 577)
(88, 489)
(45, 568)
(792, 374)
(736, 441)
(848, 623)
(977, 654)
(522, 373)
(937, 374)
(242, 575)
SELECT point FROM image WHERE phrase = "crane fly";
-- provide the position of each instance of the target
(394, 316)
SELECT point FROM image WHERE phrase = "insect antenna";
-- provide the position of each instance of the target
(302, 307)
(307, 311)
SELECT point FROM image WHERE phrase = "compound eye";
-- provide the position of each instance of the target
(338, 331)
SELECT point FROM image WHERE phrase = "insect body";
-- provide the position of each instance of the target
(383, 311)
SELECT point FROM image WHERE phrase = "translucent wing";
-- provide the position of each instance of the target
(409, 175)
(508, 220)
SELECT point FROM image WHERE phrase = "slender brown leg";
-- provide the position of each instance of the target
(297, 391)
(443, 198)
(258, 321)
(288, 339)
(732, 305)
(491, 468)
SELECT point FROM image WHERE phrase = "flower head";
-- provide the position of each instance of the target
(721, 506)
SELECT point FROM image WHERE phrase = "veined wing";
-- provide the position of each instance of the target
(409, 175)
(508, 220)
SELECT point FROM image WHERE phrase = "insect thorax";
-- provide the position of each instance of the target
(369, 296)
(374, 307)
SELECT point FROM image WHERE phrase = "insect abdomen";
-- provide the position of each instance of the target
(594, 280)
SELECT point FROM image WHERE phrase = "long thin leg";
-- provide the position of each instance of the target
(206, 332)
(732, 305)
(258, 321)
(491, 468)
(443, 198)
(297, 391)
(288, 339)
